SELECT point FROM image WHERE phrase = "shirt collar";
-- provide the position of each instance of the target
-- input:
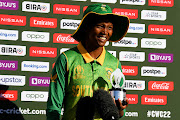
(87, 57)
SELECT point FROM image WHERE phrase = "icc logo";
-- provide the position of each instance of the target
(78, 72)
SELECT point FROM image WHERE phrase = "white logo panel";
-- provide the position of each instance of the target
(134, 85)
(132, 56)
(133, 2)
(153, 71)
(69, 24)
(12, 80)
(33, 36)
(126, 42)
(153, 43)
(153, 15)
(136, 28)
(8, 34)
(37, 96)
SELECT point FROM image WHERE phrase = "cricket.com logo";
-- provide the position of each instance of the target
(69, 24)
(33, 36)
(153, 71)
(37, 96)
(153, 43)
(126, 42)
(35, 7)
(133, 2)
(153, 15)
(12, 80)
(134, 85)
(8, 34)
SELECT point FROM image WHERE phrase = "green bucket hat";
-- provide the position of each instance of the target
(100, 11)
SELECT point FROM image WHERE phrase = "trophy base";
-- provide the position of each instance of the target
(118, 94)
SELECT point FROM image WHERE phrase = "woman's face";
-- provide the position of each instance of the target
(100, 33)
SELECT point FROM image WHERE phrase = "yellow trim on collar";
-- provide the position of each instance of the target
(87, 57)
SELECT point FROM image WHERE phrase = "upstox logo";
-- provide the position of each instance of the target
(153, 71)
(35, 66)
(105, 1)
(12, 50)
(153, 15)
(153, 43)
(36, 7)
(12, 80)
(126, 42)
(69, 24)
(33, 36)
(132, 56)
(8, 34)
(133, 2)
(136, 28)
(37, 96)
(134, 85)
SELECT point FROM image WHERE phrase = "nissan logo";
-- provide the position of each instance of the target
(153, 43)
(35, 36)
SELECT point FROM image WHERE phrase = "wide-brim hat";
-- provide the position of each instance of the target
(98, 11)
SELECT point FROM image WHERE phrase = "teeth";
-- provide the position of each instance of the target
(103, 38)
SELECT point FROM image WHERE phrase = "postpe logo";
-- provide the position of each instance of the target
(33, 36)
(163, 3)
(8, 95)
(130, 70)
(136, 28)
(12, 80)
(66, 9)
(37, 96)
(63, 38)
(133, 2)
(43, 22)
(134, 85)
(69, 24)
(153, 15)
(39, 81)
(126, 42)
(131, 13)
(160, 29)
(9, 5)
(8, 34)
(133, 98)
(153, 100)
(160, 57)
(153, 71)
(35, 7)
(161, 85)
(153, 43)
(132, 56)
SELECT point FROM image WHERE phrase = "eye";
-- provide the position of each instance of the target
(99, 26)
(110, 27)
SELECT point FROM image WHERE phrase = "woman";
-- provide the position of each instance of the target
(87, 67)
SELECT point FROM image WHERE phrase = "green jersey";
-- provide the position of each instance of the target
(76, 74)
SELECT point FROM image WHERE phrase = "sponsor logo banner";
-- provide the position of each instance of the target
(104, 1)
(12, 50)
(133, 2)
(161, 85)
(63, 38)
(160, 29)
(37, 96)
(153, 71)
(79, 0)
(153, 100)
(126, 42)
(153, 43)
(132, 56)
(42, 52)
(12, 80)
(153, 15)
(63, 50)
(9, 4)
(36, 7)
(130, 70)
(33, 36)
(136, 28)
(8, 34)
(134, 85)
(112, 52)
(39, 81)
(69, 24)
(163, 3)
(43, 22)
(35, 66)
(66, 9)
(8, 95)
(133, 98)
(8, 65)
(131, 13)
(12, 20)
(160, 57)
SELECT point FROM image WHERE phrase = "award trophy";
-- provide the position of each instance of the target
(117, 90)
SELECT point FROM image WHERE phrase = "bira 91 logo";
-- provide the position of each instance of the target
(131, 13)
(43, 22)
(8, 95)
(160, 57)
(66, 9)
(163, 3)
(130, 70)
(69, 24)
(161, 85)
(37, 96)
(8, 65)
(64, 38)
(133, 2)
(9, 5)
(160, 29)
(133, 98)
(134, 85)
(153, 71)
(39, 81)
(12, 20)
(153, 100)
(126, 42)
(42, 52)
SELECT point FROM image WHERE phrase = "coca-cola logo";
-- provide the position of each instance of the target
(63, 38)
(161, 85)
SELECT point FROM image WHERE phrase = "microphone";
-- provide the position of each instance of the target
(105, 105)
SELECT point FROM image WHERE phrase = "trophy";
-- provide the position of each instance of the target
(117, 90)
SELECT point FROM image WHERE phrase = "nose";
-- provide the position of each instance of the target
(105, 31)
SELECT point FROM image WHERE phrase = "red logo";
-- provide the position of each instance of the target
(12, 20)
(133, 98)
(160, 29)
(43, 52)
(53, 65)
(43, 22)
(8, 95)
(63, 38)
(131, 13)
(84, 8)
(163, 3)
(66, 9)
(161, 85)
(130, 70)
(153, 99)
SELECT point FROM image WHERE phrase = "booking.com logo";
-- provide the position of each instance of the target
(35, 66)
